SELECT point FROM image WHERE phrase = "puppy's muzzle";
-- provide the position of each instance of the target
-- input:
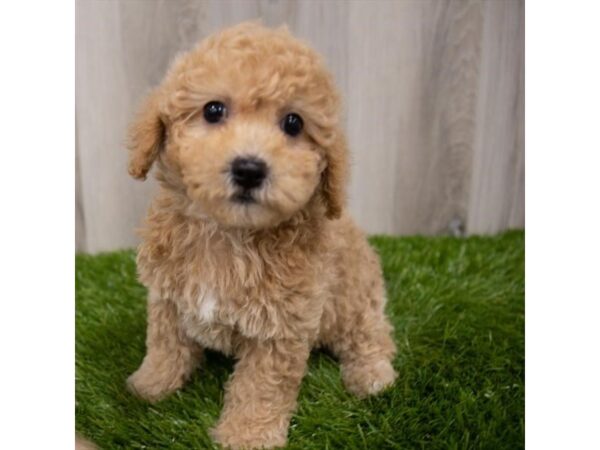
(248, 172)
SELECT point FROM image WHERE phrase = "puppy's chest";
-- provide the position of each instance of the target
(224, 296)
(216, 305)
(206, 318)
(213, 296)
(206, 306)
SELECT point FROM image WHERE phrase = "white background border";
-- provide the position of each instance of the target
(37, 222)
(562, 149)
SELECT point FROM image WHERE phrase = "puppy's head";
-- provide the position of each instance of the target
(246, 126)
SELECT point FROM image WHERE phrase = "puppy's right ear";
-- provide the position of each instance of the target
(146, 137)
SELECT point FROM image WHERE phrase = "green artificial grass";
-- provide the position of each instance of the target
(458, 310)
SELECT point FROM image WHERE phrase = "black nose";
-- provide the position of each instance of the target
(248, 172)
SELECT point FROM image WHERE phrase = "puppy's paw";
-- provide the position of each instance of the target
(245, 434)
(153, 383)
(363, 378)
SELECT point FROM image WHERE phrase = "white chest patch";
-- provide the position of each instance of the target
(207, 305)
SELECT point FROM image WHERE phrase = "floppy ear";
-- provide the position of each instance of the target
(335, 177)
(146, 137)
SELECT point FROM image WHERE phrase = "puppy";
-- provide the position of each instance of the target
(247, 248)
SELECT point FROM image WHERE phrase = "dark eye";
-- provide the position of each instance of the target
(214, 112)
(292, 124)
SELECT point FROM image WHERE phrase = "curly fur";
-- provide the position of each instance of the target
(264, 282)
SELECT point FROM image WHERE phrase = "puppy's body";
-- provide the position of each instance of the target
(264, 281)
(230, 285)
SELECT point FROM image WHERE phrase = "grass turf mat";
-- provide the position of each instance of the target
(458, 310)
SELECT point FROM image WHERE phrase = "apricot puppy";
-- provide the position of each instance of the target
(247, 248)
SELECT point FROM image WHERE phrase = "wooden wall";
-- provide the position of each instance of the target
(433, 92)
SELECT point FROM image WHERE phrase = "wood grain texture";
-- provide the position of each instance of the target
(497, 199)
(412, 122)
(433, 95)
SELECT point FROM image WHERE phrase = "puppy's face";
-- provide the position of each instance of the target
(249, 165)
(247, 129)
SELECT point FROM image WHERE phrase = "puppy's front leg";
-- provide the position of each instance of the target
(170, 355)
(261, 395)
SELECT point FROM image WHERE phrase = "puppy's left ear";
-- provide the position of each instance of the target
(335, 177)
(146, 137)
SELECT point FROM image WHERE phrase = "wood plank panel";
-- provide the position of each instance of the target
(498, 183)
(411, 112)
